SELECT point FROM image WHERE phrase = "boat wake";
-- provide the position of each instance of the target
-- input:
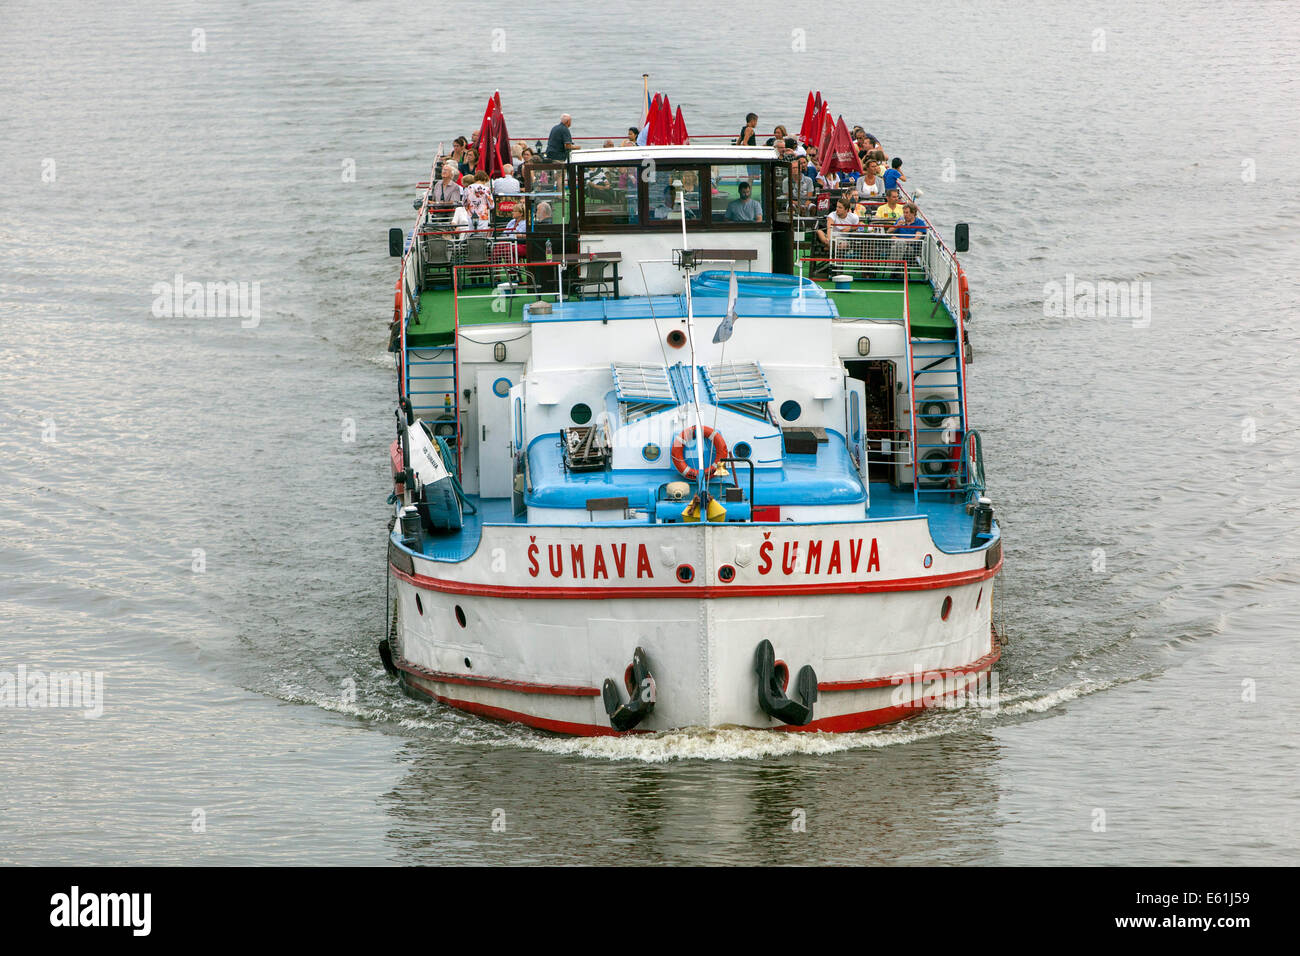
(719, 744)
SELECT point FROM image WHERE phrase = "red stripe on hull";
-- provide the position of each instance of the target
(843, 723)
(498, 683)
(863, 720)
(930, 582)
(515, 717)
(983, 664)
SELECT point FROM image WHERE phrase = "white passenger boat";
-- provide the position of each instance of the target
(663, 463)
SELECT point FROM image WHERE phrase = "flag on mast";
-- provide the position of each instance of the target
(728, 323)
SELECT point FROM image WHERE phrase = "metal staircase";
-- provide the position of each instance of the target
(938, 396)
(431, 383)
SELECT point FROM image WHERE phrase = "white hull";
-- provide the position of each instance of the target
(543, 628)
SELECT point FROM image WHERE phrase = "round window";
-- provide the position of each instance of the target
(580, 413)
(790, 410)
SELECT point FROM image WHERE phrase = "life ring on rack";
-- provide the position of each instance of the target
(679, 452)
(963, 291)
(397, 304)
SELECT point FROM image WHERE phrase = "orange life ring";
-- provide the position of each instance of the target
(964, 294)
(679, 452)
(397, 304)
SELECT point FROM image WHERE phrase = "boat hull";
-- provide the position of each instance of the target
(529, 627)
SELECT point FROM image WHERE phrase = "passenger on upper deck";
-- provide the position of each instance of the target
(560, 141)
(517, 227)
(468, 163)
(803, 174)
(870, 183)
(894, 174)
(744, 209)
(891, 210)
(840, 221)
(910, 224)
(446, 189)
(458, 150)
(506, 184)
(632, 134)
(478, 198)
(747, 132)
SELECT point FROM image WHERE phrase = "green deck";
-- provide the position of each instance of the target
(866, 300)
(884, 300)
(437, 317)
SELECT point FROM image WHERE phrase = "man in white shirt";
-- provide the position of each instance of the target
(506, 184)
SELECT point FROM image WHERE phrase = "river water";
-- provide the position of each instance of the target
(195, 508)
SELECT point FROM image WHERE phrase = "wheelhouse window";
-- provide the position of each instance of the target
(545, 189)
(610, 195)
(665, 200)
(737, 194)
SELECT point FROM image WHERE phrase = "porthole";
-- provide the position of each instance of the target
(460, 615)
(946, 609)
(501, 387)
(929, 560)
(580, 413)
(651, 451)
(468, 665)
(790, 410)
(419, 605)
(726, 574)
(742, 450)
(676, 338)
(685, 573)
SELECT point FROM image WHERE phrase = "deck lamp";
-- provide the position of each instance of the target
(499, 351)
(864, 346)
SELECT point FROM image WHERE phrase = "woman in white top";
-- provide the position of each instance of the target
(870, 183)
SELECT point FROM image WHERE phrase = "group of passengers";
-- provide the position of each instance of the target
(872, 201)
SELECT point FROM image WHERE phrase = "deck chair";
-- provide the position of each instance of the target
(592, 277)
(437, 260)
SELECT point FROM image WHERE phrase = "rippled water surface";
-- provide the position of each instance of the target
(1151, 679)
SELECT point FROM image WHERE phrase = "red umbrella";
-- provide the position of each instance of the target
(500, 144)
(679, 129)
(824, 140)
(484, 134)
(665, 122)
(807, 119)
(842, 156)
(652, 120)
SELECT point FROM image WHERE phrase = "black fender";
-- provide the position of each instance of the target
(642, 703)
(386, 656)
(773, 699)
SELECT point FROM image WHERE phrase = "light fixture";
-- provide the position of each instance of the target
(864, 346)
(499, 352)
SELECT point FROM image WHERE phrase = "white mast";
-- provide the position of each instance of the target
(690, 336)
